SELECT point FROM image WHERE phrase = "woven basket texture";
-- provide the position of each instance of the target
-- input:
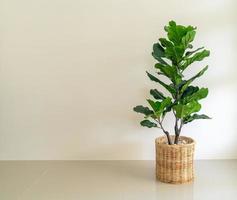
(174, 163)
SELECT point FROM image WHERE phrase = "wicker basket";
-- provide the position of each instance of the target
(174, 163)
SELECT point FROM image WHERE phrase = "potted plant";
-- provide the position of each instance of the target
(175, 54)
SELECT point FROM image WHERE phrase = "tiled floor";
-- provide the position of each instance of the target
(112, 180)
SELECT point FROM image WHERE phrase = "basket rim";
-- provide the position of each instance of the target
(157, 141)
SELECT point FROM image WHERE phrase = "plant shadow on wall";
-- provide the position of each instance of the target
(174, 56)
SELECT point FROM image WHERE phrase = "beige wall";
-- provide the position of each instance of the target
(71, 71)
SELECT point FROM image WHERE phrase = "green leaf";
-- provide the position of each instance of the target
(167, 70)
(165, 103)
(177, 32)
(170, 72)
(196, 57)
(188, 38)
(172, 52)
(168, 87)
(155, 105)
(156, 94)
(160, 107)
(144, 110)
(200, 94)
(148, 123)
(183, 111)
(185, 84)
(158, 53)
(189, 53)
(189, 91)
(190, 118)
(158, 50)
(165, 43)
(175, 53)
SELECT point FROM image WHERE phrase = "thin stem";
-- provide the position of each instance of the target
(176, 140)
(165, 132)
(181, 125)
(176, 129)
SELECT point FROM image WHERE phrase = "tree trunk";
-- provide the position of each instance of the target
(176, 140)
(176, 129)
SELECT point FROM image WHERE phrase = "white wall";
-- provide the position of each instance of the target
(71, 71)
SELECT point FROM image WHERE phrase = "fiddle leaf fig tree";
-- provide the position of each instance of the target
(174, 55)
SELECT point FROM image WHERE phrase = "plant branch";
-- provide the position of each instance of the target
(177, 130)
(165, 132)
(181, 125)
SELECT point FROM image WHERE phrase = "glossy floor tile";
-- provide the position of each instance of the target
(112, 180)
